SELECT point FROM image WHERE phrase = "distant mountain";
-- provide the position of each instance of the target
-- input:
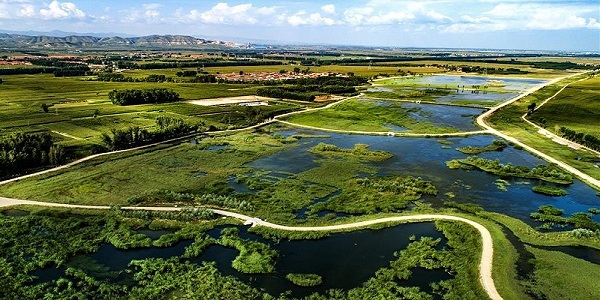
(19, 41)
(60, 33)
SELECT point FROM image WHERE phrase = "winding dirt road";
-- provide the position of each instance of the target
(486, 263)
(551, 135)
(487, 254)
(388, 133)
(481, 120)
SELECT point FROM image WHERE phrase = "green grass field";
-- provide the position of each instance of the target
(508, 120)
(560, 276)
(111, 180)
(73, 102)
(577, 108)
(367, 115)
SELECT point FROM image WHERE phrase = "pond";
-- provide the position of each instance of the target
(425, 157)
(460, 88)
(461, 118)
(344, 260)
(508, 84)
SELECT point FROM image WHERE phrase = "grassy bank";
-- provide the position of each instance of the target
(577, 108)
(508, 120)
(369, 115)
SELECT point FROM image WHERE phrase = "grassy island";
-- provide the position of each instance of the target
(546, 173)
(552, 215)
(496, 145)
(359, 151)
(306, 280)
(550, 191)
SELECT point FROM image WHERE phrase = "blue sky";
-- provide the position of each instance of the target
(509, 24)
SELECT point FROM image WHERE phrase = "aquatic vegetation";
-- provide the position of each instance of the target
(254, 257)
(305, 280)
(550, 191)
(404, 186)
(378, 194)
(496, 145)
(359, 151)
(450, 195)
(502, 184)
(549, 173)
(550, 214)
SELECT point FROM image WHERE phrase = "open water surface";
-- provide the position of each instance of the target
(425, 157)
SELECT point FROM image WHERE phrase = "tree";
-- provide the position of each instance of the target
(45, 107)
(0, 80)
(531, 108)
(241, 72)
(296, 70)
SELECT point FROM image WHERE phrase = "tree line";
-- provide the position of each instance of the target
(72, 70)
(133, 96)
(587, 140)
(135, 136)
(116, 77)
(199, 64)
(501, 71)
(23, 151)
(306, 89)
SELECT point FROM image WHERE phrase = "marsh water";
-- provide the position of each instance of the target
(344, 260)
(426, 157)
(509, 84)
(460, 87)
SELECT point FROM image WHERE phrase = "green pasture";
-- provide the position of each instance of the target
(366, 115)
(560, 276)
(112, 180)
(508, 120)
(79, 110)
(577, 108)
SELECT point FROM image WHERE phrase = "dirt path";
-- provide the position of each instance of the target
(388, 133)
(482, 118)
(554, 137)
(485, 265)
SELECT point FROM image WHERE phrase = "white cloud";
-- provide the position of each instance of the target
(222, 13)
(62, 10)
(388, 12)
(329, 8)
(550, 19)
(27, 10)
(301, 18)
(544, 16)
(151, 6)
(4, 11)
(151, 13)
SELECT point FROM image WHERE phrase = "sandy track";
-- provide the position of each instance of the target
(481, 120)
(487, 254)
